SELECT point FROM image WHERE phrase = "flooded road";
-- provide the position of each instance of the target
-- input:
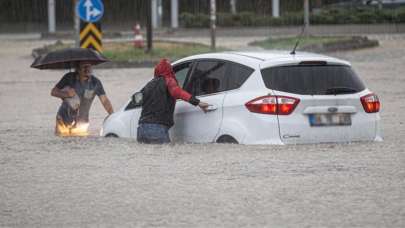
(70, 182)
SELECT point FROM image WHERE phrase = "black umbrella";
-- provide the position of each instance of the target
(68, 58)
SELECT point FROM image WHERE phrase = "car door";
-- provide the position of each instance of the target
(133, 112)
(181, 72)
(207, 82)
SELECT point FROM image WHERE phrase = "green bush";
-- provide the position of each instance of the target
(292, 19)
(194, 20)
(399, 15)
(247, 18)
(367, 17)
(359, 15)
(227, 19)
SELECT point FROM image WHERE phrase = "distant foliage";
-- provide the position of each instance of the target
(121, 10)
(359, 16)
(365, 15)
(31, 15)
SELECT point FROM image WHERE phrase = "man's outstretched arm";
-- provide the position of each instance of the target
(178, 93)
(106, 103)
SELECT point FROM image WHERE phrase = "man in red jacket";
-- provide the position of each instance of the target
(159, 100)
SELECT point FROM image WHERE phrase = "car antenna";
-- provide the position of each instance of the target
(298, 40)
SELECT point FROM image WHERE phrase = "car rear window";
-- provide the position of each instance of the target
(313, 79)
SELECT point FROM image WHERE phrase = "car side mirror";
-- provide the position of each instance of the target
(137, 99)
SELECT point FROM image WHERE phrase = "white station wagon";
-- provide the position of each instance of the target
(265, 98)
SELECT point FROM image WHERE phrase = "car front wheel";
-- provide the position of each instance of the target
(111, 135)
(227, 139)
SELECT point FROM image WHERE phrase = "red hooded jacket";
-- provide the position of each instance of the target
(160, 94)
(164, 69)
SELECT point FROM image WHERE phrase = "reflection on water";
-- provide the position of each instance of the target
(75, 129)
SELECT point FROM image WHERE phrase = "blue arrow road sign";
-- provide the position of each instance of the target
(90, 10)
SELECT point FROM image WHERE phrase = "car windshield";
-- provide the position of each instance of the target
(313, 79)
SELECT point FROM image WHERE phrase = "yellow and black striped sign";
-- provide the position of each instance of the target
(91, 36)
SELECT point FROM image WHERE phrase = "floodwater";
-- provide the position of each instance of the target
(47, 181)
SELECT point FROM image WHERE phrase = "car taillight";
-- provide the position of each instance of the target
(273, 105)
(370, 103)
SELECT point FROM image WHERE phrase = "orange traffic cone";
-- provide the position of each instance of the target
(138, 38)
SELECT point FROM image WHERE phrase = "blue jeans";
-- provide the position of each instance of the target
(153, 133)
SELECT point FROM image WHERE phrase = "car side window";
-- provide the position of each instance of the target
(181, 72)
(208, 77)
(237, 74)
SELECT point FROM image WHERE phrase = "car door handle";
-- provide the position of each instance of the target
(212, 108)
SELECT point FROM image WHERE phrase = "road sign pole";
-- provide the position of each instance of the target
(76, 22)
(306, 15)
(149, 27)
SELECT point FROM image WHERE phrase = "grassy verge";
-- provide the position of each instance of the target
(125, 51)
(161, 49)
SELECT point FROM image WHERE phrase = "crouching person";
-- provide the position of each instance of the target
(159, 100)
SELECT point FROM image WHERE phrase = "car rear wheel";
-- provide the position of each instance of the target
(227, 139)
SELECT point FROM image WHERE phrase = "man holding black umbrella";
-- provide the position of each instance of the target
(77, 91)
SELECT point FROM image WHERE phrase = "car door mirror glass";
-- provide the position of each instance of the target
(136, 101)
(137, 98)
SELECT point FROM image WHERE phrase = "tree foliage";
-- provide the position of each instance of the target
(123, 14)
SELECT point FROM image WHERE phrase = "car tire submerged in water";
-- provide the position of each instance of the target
(227, 139)
(111, 135)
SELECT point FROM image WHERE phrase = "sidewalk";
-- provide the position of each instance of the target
(233, 38)
(289, 31)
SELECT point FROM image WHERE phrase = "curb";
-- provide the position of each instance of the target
(355, 43)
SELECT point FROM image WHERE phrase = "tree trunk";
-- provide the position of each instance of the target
(213, 23)
(380, 5)
(232, 3)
